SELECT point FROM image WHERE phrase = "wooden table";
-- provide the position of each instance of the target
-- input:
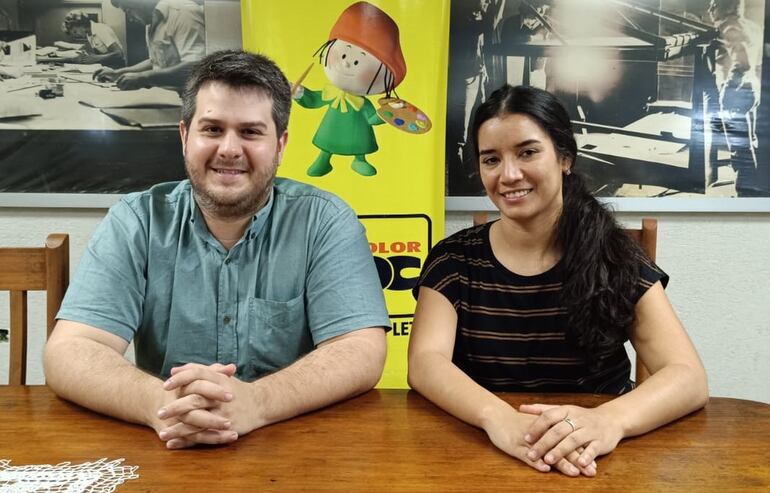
(391, 440)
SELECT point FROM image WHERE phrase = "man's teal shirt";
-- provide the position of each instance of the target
(301, 274)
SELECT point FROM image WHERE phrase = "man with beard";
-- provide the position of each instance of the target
(249, 298)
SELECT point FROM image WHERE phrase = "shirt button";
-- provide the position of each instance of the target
(227, 261)
(226, 319)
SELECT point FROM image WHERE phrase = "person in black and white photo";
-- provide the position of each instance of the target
(473, 27)
(523, 28)
(96, 42)
(62, 131)
(665, 95)
(738, 60)
(176, 39)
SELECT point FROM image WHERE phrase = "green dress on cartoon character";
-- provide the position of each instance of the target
(346, 117)
(363, 56)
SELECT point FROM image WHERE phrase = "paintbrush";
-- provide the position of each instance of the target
(301, 78)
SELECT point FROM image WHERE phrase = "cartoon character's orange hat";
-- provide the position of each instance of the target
(367, 26)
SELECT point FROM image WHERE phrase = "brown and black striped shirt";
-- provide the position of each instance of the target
(511, 328)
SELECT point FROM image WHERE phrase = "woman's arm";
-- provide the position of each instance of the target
(432, 373)
(65, 45)
(677, 386)
(113, 56)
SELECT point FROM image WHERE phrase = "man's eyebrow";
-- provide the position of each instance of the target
(256, 123)
(208, 120)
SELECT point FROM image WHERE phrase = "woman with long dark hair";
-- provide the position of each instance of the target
(542, 300)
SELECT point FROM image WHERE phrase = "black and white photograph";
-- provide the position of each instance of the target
(664, 95)
(90, 90)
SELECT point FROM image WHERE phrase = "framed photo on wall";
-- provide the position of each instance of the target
(665, 96)
(90, 94)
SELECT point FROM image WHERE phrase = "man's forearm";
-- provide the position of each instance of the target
(333, 372)
(142, 66)
(170, 76)
(88, 373)
(105, 57)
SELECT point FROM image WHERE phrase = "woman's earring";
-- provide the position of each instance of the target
(568, 172)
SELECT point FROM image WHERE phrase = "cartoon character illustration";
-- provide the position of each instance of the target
(362, 57)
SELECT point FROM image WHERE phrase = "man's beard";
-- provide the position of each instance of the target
(230, 207)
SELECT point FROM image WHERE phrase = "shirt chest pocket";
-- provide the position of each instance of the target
(278, 333)
(163, 53)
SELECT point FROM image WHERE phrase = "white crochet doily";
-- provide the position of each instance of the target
(99, 476)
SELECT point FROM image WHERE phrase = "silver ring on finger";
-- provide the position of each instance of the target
(571, 423)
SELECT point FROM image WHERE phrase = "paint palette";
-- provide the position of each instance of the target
(403, 115)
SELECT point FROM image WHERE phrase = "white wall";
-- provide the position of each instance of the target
(720, 285)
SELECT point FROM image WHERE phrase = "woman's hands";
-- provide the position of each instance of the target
(506, 429)
(585, 433)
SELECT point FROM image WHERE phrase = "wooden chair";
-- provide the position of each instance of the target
(647, 236)
(32, 269)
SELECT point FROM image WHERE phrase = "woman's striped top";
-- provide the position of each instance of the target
(511, 328)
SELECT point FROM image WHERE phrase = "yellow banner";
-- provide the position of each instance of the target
(368, 124)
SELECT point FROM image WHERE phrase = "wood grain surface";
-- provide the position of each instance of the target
(390, 440)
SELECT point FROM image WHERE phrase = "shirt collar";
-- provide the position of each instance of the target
(258, 220)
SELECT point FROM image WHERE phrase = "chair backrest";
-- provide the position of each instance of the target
(647, 237)
(32, 269)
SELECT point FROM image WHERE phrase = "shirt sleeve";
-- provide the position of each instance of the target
(442, 272)
(342, 287)
(187, 30)
(649, 274)
(108, 289)
(105, 34)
